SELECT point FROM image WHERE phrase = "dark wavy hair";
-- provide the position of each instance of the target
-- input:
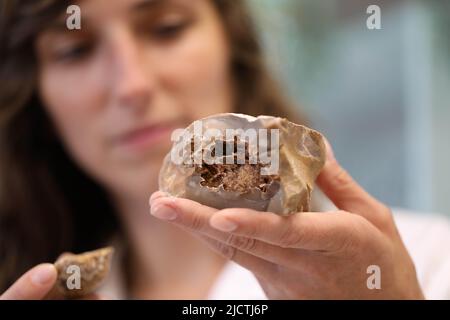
(47, 203)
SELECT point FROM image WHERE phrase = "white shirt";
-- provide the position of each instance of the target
(426, 236)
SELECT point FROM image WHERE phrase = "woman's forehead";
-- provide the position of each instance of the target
(94, 13)
(107, 7)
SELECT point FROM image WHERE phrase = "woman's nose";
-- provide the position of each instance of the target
(131, 82)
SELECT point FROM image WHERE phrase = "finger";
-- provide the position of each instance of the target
(156, 195)
(345, 192)
(260, 267)
(196, 218)
(286, 257)
(188, 213)
(319, 231)
(33, 285)
(306, 230)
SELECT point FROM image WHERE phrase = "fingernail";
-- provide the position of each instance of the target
(43, 274)
(330, 153)
(163, 212)
(156, 195)
(223, 224)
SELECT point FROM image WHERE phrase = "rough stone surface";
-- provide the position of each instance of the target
(94, 267)
(301, 158)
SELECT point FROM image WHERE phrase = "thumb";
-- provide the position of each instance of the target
(33, 285)
(342, 190)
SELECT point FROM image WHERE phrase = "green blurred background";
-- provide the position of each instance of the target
(382, 97)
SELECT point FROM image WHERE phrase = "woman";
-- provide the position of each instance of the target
(86, 120)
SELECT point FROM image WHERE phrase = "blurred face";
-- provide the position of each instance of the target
(137, 70)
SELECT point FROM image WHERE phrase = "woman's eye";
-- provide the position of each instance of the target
(73, 53)
(168, 30)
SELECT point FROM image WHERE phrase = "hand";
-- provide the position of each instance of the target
(308, 255)
(37, 284)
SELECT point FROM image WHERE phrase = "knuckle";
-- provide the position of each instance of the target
(290, 237)
(385, 217)
(348, 235)
(356, 239)
(252, 231)
(341, 179)
(196, 222)
(385, 212)
(243, 243)
(226, 250)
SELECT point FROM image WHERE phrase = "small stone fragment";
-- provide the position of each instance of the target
(91, 267)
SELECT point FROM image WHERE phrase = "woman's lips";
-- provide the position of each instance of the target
(146, 137)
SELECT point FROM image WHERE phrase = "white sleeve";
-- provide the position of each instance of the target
(427, 238)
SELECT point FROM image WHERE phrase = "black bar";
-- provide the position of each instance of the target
(239, 309)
